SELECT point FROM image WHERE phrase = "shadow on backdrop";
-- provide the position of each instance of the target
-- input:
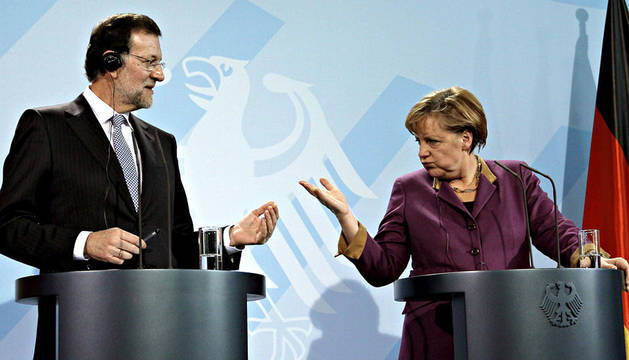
(582, 102)
(484, 55)
(351, 332)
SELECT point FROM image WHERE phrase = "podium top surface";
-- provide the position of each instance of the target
(424, 287)
(29, 289)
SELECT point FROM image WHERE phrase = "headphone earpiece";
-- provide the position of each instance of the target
(112, 61)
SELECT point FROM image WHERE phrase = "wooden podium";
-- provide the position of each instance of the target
(145, 314)
(529, 314)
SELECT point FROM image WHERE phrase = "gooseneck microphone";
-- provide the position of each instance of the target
(555, 208)
(138, 166)
(526, 210)
(168, 201)
(111, 130)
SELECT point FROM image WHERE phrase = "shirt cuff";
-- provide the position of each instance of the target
(79, 246)
(354, 249)
(226, 241)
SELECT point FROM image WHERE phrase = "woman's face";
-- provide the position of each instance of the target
(442, 152)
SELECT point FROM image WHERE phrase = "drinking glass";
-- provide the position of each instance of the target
(590, 246)
(211, 248)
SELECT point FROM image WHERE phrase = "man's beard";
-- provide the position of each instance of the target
(132, 96)
(140, 100)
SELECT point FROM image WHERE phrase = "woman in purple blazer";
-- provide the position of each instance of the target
(458, 213)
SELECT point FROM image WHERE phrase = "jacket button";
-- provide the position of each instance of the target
(475, 251)
(471, 226)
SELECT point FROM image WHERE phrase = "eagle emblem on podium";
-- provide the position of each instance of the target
(562, 304)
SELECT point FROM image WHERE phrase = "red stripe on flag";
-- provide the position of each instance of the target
(607, 194)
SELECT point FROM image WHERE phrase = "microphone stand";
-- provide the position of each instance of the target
(555, 208)
(139, 167)
(168, 202)
(526, 210)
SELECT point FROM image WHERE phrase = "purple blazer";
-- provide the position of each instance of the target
(426, 221)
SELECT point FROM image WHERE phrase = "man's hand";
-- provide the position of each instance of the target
(255, 228)
(112, 245)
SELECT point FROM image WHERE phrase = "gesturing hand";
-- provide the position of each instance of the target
(330, 196)
(113, 245)
(256, 227)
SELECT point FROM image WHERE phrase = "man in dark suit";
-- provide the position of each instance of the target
(75, 193)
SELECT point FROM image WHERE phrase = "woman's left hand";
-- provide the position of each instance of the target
(619, 264)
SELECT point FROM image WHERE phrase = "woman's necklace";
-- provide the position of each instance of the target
(476, 180)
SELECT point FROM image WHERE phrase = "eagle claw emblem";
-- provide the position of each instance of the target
(562, 304)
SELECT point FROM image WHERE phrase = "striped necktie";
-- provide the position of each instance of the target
(125, 158)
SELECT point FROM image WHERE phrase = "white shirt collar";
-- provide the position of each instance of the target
(102, 111)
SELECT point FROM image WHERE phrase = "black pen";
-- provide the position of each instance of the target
(150, 236)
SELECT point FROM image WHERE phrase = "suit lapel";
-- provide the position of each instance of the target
(83, 122)
(81, 119)
(485, 191)
(448, 195)
(149, 156)
(144, 137)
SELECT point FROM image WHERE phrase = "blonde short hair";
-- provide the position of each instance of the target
(456, 110)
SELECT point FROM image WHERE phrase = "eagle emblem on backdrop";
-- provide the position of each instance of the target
(221, 87)
(561, 304)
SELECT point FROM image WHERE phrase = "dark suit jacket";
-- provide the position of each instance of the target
(62, 176)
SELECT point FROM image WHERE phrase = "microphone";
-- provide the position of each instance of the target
(168, 201)
(138, 166)
(526, 210)
(555, 207)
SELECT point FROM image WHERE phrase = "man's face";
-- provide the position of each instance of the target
(134, 89)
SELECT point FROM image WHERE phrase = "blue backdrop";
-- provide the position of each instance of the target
(261, 93)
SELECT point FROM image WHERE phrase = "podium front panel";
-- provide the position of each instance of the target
(529, 314)
(148, 314)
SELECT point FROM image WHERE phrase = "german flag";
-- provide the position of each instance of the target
(607, 193)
